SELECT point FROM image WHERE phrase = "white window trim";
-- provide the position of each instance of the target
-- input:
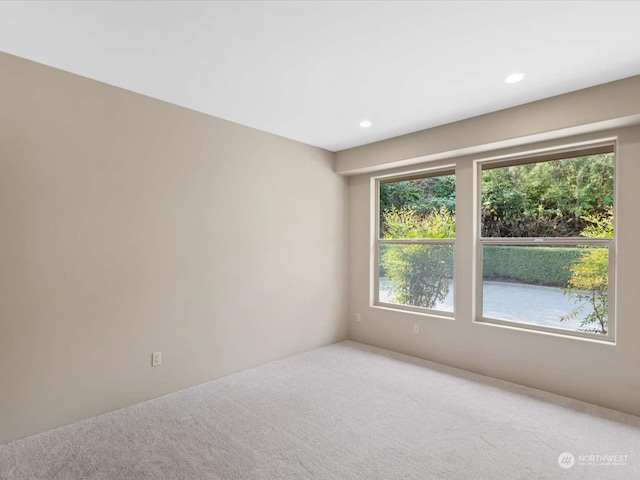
(610, 337)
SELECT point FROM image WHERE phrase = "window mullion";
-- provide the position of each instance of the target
(550, 241)
(417, 241)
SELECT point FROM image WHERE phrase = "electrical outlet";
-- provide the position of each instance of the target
(156, 359)
(416, 329)
(358, 318)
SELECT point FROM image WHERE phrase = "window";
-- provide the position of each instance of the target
(415, 242)
(547, 241)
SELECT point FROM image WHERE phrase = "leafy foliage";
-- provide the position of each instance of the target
(419, 274)
(421, 196)
(407, 223)
(546, 199)
(589, 278)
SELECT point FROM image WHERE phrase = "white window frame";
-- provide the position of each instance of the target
(377, 241)
(578, 150)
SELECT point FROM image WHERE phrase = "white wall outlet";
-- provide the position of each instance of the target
(358, 318)
(156, 359)
(416, 329)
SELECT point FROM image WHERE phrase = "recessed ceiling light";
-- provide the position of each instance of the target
(365, 124)
(514, 78)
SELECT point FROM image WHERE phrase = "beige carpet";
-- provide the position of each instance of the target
(346, 411)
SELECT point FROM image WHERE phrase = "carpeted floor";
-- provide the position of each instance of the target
(346, 411)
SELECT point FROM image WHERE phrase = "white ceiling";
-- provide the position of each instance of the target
(312, 70)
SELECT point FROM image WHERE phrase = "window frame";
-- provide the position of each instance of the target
(376, 242)
(552, 154)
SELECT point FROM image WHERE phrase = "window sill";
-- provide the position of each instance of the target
(424, 312)
(554, 332)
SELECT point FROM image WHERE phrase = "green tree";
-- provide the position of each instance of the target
(418, 274)
(546, 199)
(403, 194)
(589, 279)
(422, 196)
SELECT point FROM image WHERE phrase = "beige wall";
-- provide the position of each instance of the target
(131, 226)
(599, 373)
(611, 105)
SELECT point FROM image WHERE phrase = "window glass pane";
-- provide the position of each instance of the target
(559, 198)
(561, 287)
(417, 275)
(419, 208)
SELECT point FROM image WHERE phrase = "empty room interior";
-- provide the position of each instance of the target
(319, 240)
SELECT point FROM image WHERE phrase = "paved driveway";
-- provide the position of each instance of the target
(519, 302)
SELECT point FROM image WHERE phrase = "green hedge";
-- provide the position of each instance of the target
(540, 265)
